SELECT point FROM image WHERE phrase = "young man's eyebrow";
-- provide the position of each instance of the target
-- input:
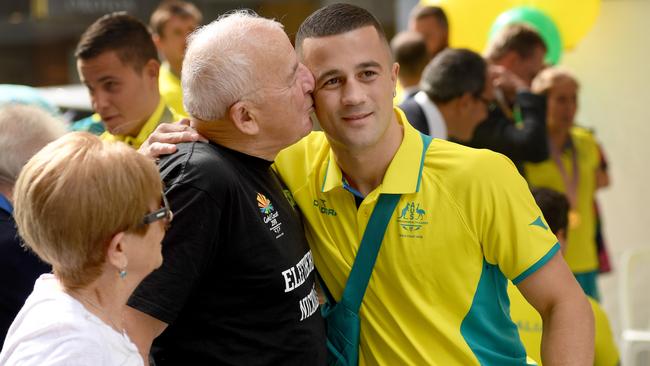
(366, 64)
(326, 75)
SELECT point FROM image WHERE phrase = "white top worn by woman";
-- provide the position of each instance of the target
(53, 328)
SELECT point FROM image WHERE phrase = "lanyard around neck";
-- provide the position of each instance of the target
(570, 182)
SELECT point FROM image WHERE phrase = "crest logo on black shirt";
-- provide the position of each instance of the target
(265, 205)
(269, 215)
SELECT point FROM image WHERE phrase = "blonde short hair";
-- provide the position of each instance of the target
(549, 77)
(75, 194)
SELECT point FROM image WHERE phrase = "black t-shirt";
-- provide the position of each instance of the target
(19, 269)
(237, 282)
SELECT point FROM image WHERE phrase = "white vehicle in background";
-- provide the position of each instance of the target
(72, 100)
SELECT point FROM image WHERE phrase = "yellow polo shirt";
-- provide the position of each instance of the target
(581, 253)
(171, 91)
(465, 223)
(529, 323)
(160, 115)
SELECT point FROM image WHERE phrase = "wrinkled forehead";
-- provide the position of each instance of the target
(270, 59)
(273, 51)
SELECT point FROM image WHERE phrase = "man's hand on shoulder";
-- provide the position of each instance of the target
(164, 138)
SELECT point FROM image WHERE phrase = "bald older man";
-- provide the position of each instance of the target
(237, 283)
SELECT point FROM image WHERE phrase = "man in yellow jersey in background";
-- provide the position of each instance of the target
(171, 23)
(466, 221)
(555, 208)
(118, 63)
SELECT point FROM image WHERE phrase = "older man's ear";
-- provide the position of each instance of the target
(243, 118)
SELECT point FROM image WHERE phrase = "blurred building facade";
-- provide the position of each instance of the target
(38, 37)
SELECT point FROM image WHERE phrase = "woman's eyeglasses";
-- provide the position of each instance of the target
(164, 213)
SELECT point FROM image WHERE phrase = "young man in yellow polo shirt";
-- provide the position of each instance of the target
(171, 23)
(465, 223)
(118, 63)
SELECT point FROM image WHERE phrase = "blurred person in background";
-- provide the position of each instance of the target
(555, 207)
(410, 52)
(25, 130)
(26, 95)
(603, 180)
(170, 24)
(519, 49)
(431, 22)
(572, 169)
(118, 63)
(516, 55)
(455, 95)
(99, 222)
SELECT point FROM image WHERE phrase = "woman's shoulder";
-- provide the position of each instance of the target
(54, 326)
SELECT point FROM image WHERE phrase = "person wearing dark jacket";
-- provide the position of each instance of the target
(524, 141)
(516, 126)
(25, 130)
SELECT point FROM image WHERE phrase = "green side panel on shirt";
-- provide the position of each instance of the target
(487, 327)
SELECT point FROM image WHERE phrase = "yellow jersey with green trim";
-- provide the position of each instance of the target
(529, 323)
(581, 252)
(171, 91)
(160, 115)
(466, 222)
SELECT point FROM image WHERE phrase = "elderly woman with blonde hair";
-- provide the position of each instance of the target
(571, 169)
(93, 210)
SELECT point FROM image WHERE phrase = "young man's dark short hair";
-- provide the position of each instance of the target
(118, 32)
(337, 19)
(554, 206)
(452, 73)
